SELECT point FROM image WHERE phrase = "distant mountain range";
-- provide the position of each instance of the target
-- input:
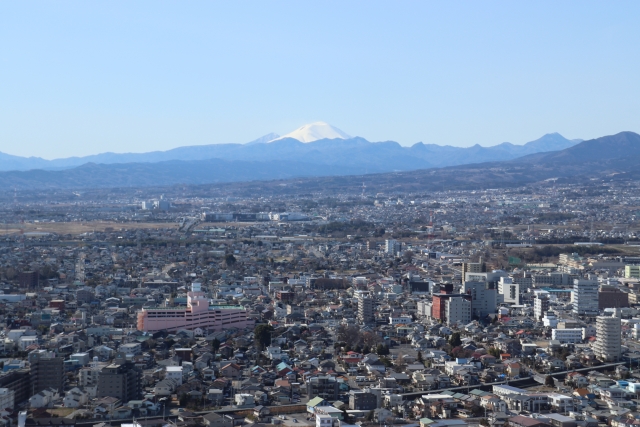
(327, 149)
(605, 159)
(275, 164)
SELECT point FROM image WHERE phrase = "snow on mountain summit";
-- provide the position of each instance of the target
(315, 131)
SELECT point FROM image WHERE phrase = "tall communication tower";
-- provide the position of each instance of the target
(431, 233)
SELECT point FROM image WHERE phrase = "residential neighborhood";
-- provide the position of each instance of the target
(460, 308)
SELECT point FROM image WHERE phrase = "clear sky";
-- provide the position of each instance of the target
(83, 77)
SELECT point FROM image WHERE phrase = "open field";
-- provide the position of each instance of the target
(60, 412)
(75, 228)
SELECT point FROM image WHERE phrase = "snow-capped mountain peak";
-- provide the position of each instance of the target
(315, 131)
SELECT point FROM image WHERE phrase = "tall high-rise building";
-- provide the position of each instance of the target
(585, 297)
(484, 297)
(365, 307)
(473, 267)
(123, 381)
(540, 306)
(457, 310)
(18, 380)
(47, 371)
(451, 308)
(508, 291)
(608, 337)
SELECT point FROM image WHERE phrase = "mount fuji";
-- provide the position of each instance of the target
(314, 132)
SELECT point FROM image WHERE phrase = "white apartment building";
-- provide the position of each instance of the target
(174, 373)
(457, 310)
(7, 398)
(540, 305)
(323, 420)
(585, 297)
(508, 291)
(550, 320)
(88, 377)
(484, 295)
(400, 320)
(131, 348)
(560, 402)
(567, 336)
(365, 307)
(391, 246)
(608, 338)
(424, 308)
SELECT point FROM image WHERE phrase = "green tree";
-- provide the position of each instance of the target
(494, 351)
(382, 350)
(548, 381)
(420, 359)
(408, 256)
(230, 260)
(455, 340)
(215, 344)
(184, 399)
(262, 335)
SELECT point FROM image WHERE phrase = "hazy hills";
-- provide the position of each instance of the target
(618, 147)
(354, 154)
(610, 157)
(92, 175)
(289, 165)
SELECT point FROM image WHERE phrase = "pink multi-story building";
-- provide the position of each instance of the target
(197, 314)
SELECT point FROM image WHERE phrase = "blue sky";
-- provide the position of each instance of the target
(82, 77)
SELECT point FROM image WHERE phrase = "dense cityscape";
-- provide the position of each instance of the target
(319, 214)
(484, 307)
